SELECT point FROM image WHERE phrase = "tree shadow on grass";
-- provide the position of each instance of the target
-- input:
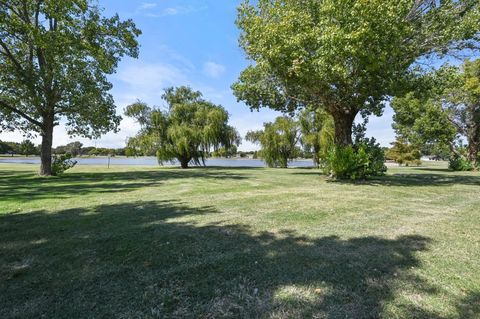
(410, 179)
(433, 169)
(425, 179)
(153, 259)
(27, 186)
(442, 177)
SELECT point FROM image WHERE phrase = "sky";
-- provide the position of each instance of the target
(185, 42)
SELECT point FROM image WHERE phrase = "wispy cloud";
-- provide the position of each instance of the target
(213, 70)
(147, 5)
(155, 10)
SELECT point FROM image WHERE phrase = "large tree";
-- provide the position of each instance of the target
(446, 109)
(74, 148)
(5, 148)
(463, 103)
(27, 148)
(54, 59)
(403, 152)
(278, 141)
(346, 57)
(187, 131)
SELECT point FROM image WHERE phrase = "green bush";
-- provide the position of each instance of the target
(360, 161)
(458, 163)
(62, 163)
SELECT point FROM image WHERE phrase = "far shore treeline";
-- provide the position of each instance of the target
(76, 149)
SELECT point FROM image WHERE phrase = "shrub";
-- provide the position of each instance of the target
(62, 163)
(458, 163)
(360, 161)
(404, 153)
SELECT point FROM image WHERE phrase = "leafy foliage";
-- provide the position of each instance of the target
(420, 120)
(317, 133)
(445, 110)
(55, 56)
(27, 148)
(74, 148)
(278, 141)
(354, 162)
(222, 152)
(62, 163)
(404, 153)
(463, 104)
(346, 57)
(5, 148)
(187, 131)
(459, 163)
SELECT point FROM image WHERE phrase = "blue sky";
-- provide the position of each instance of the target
(186, 42)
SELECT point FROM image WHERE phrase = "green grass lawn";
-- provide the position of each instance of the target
(222, 242)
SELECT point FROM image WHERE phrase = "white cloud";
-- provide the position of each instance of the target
(213, 70)
(154, 10)
(173, 11)
(147, 5)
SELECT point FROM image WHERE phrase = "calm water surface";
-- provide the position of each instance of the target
(150, 161)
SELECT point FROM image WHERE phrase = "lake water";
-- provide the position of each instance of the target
(152, 161)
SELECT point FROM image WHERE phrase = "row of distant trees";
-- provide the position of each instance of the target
(24, 148)
(28, 148)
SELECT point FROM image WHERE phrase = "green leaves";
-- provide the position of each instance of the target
(54, 58)
(278, 141)
(344, 56)
(449, 109)
(190, 128)
(317, 132)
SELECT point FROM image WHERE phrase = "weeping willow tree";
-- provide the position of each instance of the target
(187, 131)
(318, 133)
(278, 141)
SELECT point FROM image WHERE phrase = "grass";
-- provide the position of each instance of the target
(219, 242)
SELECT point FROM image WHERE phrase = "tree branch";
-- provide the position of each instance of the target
(22, 114)
(12, 58)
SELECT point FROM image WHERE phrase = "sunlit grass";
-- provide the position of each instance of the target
(133, 242)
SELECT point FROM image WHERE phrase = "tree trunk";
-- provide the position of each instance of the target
(46, 151)
(343, 127)
(473, 153)
(184, 162)
(316, 160)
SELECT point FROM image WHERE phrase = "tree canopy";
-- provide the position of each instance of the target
(188, 130)
(346, 57)
(444, 112)
(27, 148)
(54, 59)
(404, 153)
(278, 141)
